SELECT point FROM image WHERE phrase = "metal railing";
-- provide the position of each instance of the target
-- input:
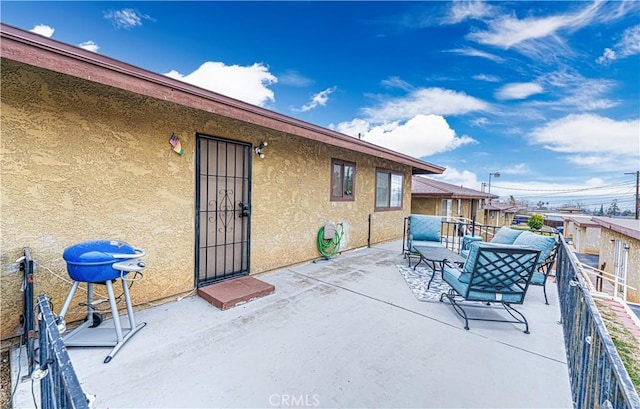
(598, 376)
(59, 385)
(455, 228)
(27, 318)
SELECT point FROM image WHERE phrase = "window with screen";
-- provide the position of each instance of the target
(389, 190)
(343, 175)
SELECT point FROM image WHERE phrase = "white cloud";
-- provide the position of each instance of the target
(396, 82)
(249, 83)
(356, 128)
(630, 43)
(295, 79)
(464, 178)
(627, 46)
(480, 122)
(422, 135)
(517, 169)
(89, 45)
(43, 30)
(487, 78)
(593, 141)
(577, 93)
(463, 10)
(519, 90)
(537, 37)
(437, 101)
(607, 56)
(319, 99)
(473, 52)
(126, 18)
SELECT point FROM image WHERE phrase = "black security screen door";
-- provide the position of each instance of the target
(223, 209)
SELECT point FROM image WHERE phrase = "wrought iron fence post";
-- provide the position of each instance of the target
(28, 318)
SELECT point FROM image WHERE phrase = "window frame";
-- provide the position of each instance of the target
(446, 208)
(390, 173)
(343, 198)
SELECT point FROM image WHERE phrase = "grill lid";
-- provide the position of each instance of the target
(97, 252)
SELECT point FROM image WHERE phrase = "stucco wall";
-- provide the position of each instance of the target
(569, 230)
(429, 206)
(81, 161)
(588, 240)
(607, 253)
(433, 206)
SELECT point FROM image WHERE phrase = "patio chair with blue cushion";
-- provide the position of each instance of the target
(492, 273)
(544, 269)
(546, 244)
(420, 230)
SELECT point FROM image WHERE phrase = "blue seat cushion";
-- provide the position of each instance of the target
(415, 243)
(425, 228)
(537, 242)
(537, 278)
(455, 278)
(506, 235)
(472, 254)
(469, 263)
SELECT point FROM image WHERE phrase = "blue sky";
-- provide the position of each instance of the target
(545, 93)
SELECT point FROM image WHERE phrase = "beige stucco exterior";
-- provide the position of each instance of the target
(607, 255)
(433, 206)
(430, 206)
(587, 239)
(584, 233)
(84, 161)
(498, 218)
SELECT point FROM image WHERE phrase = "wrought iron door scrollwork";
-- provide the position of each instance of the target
(225, 210)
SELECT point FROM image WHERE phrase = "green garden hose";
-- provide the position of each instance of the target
(331, 247)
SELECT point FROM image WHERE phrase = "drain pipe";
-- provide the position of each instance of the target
(369, 233)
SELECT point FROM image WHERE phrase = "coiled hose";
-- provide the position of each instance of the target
(331, 247)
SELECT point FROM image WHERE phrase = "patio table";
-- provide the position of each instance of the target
(438, 257)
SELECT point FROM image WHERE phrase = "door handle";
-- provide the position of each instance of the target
(245, 211)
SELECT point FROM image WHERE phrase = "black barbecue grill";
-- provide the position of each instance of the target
(101, 262)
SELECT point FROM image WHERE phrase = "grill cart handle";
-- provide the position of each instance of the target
(138, 253)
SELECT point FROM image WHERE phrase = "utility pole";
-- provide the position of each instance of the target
(637, 173)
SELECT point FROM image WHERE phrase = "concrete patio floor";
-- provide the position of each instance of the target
(347, 332)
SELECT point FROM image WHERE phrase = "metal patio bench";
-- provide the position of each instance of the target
(548, 246)
(492, 274)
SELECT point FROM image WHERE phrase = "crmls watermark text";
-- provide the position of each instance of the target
(291, 400)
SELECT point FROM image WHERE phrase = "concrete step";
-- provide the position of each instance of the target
(230, 293)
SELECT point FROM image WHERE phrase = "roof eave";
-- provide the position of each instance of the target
(618, 228)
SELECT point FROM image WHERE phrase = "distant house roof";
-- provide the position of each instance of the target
(571, 209)
(502, 207)
(554, 217)
(32, 49)
(581, 220)
(628, 227)
(425, 187)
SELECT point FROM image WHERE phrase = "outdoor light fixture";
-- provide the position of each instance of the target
(496, 174)
(259, 149)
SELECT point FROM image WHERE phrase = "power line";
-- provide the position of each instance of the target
(566, 190)
(560, 197)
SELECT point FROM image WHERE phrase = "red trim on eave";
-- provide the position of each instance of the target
(33, 49)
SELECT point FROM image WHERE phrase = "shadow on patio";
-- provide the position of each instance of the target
(347, 332)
